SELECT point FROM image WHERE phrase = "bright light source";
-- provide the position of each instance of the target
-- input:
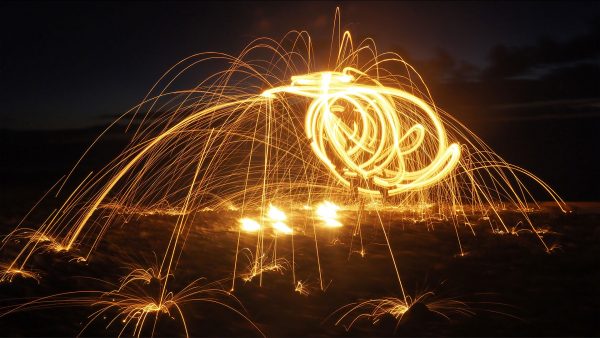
(276, 215)
(283, 228)
(327, 212)
(249, 225)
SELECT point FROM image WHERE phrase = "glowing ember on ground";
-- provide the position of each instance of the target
(282, 228)
(327, 212)
(276, 215)
(249, 225)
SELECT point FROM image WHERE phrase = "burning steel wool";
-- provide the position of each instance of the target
(284, 146)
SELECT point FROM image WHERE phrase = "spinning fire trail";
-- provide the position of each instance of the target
(381, 137)
(264, 138)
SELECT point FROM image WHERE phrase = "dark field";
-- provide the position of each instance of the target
(512, 285)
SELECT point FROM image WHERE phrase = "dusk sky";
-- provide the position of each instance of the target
(65, 65)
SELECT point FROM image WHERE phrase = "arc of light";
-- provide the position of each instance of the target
(139, 155)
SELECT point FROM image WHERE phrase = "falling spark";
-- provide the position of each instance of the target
(375, 309)
(302, 288)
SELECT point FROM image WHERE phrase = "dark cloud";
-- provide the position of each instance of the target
(510, 61)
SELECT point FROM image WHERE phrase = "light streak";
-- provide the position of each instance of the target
(375, 309)
(9, 274)
(382, 136)
(259, 265)
(131, 306)
(302, 288)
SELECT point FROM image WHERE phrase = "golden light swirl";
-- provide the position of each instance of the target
(383, 138)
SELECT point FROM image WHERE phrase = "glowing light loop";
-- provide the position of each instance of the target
(370, 132)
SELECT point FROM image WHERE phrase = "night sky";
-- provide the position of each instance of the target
(523, 76)
(64, 64)
(530, 69)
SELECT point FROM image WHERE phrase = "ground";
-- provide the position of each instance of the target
(510, 283)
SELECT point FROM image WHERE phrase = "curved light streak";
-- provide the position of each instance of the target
(378, 147)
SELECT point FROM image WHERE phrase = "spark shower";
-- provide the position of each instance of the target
(275, 133)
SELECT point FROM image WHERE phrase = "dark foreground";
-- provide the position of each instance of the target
(510, 283)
